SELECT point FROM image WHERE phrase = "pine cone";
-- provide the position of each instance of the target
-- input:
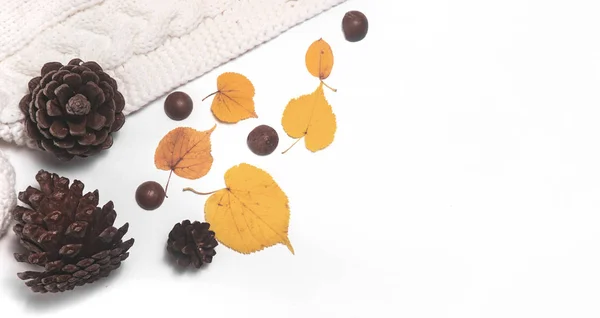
(192, 243)
(72, 110)
(67, 233)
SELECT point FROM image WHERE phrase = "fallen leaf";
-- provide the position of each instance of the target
(186, 152)
(234, 98)
(310, 116)
(251, 213)
(319, 59)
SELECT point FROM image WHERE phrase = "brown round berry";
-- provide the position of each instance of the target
(150, 195)
(178, 105)
(263, 140)
(355, 26)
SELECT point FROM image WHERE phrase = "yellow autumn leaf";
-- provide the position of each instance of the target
(319, 59)
(310, 116)
(234, 98)
(186, 152)
(251, 213)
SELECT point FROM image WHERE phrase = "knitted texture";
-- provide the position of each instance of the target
(150, 47)
(22, 20)
(8, 197)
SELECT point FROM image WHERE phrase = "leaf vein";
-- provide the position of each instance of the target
(236, 102)
(258, 217)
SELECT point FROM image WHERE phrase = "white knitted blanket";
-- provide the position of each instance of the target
(8, 196)
(150, 47)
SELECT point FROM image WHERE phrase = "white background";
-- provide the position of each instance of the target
(463, 181)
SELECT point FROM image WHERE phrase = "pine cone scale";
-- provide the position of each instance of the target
(54, 266)
(28, 275)
(73, 79)
(45, 79)
(51, 66)
(21, 258)
(53, 109)
(77, 127)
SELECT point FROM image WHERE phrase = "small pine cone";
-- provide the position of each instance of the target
(192, 243)
(68, 234)
(72, 110)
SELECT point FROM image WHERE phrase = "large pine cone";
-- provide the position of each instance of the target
(192, 243)
(68, 234)
(72, 110)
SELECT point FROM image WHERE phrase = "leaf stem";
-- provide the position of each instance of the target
(168, 181)
(198, 192)
(331, 88)
(209, 95)
(290, 147)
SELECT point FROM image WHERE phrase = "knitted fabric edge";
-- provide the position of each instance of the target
(8, 197)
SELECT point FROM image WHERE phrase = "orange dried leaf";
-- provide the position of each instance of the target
(186, 152)
(310, 116)
(251, 213)
(319, 59)
(234, 98)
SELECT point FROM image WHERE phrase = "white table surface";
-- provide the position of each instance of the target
(464, 179)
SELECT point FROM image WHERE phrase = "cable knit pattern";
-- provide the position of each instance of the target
(22, 20)
(150, 47)
(8, 197)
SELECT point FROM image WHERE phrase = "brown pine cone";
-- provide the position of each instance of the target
(72, 110)
(192, 243)
(68, 234)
